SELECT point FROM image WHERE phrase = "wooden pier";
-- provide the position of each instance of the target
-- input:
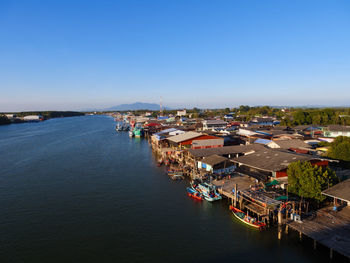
(254, 201)
(327, 227)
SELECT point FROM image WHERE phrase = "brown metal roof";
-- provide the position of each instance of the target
(225, 150)
(339, 191)
(270, 160)
(213, 159)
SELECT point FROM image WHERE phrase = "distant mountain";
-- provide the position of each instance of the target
(134, 106)
(131, 107)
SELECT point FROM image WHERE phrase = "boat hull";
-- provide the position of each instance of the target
(194, 194)
(239, 214)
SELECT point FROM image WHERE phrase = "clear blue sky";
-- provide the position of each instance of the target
(78, 54)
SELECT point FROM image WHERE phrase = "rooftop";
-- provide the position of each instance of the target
(214, 159)
(340, 191)
(225, 150)
(338, 128)
(293, 143)
(184, 137)
(271, 160)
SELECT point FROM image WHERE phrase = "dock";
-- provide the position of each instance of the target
(255, 201)
(327, 227)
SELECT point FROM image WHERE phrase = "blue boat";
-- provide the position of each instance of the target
(208, 191)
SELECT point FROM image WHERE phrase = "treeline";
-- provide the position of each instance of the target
(4, 120)
(50, 114)
(327, 116)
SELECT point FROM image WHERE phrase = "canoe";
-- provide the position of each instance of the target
(194, 194)
(243, 217)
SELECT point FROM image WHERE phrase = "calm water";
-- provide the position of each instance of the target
(74, 190)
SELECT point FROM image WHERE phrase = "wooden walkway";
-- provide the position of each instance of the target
(225, 186)
(328, 227)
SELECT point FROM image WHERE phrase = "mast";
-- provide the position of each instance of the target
(161, 106)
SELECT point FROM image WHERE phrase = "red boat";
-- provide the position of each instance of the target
(194, 194)
(251, 221)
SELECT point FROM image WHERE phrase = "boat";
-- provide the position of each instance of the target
(251, 221)
(119, 127)
(131, 134)
(194, 194)
(176, 176)
(208, 191)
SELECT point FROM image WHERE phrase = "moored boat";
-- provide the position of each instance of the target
(176, 176)
(208, 191)
(194, 194)
(131, 134)
(251, 221)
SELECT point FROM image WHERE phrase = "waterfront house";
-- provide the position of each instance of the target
(208, 143)
(266, 163)
(216, 164)
(185, 140)
(340, 193)
(33, 118)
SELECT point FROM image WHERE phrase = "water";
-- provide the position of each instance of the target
(74, 190)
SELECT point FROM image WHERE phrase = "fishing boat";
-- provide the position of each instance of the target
(131, 134)
(119, 127)
(176, 176)
(194, 194)
(208, 191)
(251, 221)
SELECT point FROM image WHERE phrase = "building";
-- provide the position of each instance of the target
(267, 163)
(214, 125)
(185, 140)
(32, 118)
(216, 164)
(336, 130)
(181, 113)
(209, 143)
(339, 192)
(262, 121)
(294, 145)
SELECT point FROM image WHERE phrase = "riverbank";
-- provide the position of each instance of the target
(21, 117)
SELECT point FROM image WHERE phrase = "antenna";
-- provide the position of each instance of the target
(161, 106)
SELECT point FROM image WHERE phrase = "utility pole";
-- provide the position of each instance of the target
(161, 106)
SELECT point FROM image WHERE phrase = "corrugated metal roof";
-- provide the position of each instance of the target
(214, 159)
(340, 191)
(225, 150)
(271, 160)
(293, 143)
(209, 142)
(184, 137)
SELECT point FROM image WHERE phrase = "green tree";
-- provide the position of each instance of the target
(340, 149)
(4, 120)
(308, 181)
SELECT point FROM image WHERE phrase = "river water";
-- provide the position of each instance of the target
(74, 190)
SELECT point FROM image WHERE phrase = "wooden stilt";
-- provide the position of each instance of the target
(331, 253)
(315, 244)
(300, 236)
(279, 233)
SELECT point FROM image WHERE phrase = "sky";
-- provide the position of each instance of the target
(72, 55)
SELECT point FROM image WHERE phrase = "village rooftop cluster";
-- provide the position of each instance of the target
(247, 162)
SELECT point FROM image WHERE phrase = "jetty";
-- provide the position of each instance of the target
(327, 227)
